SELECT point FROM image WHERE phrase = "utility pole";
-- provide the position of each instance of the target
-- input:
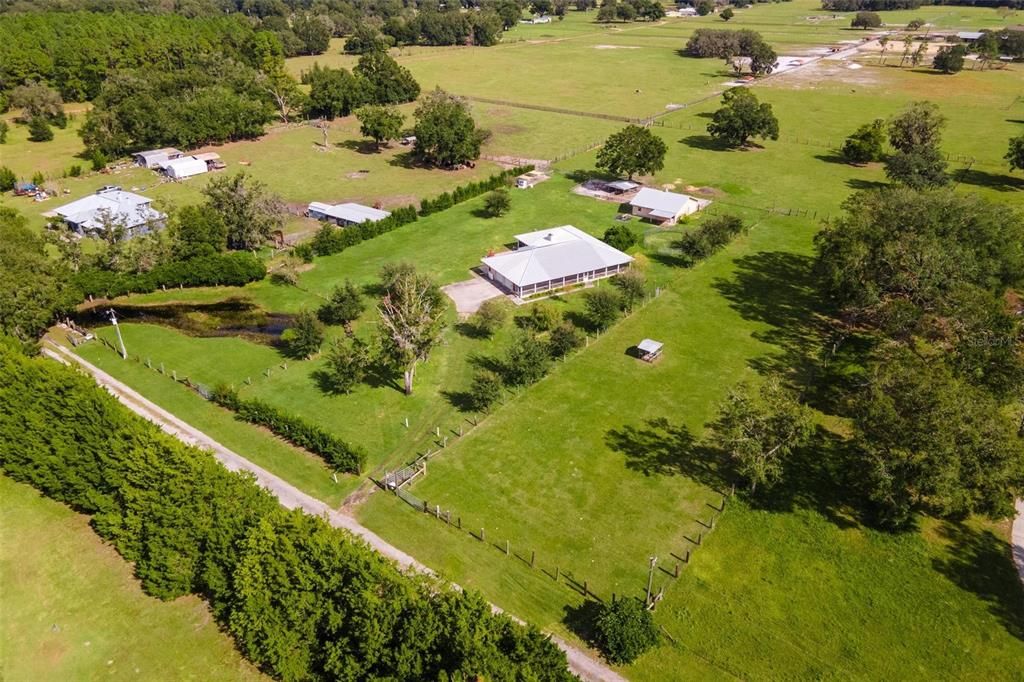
(120, 341)
(650, 580)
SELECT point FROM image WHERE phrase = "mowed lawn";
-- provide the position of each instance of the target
(71, 610)
(575, 471)
(445, 246)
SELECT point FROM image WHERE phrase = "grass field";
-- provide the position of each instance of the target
(71, 610)
(596, 467)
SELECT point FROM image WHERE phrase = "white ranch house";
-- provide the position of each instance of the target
(664, 208)
(345, 214)
(95, 214)
(552, 259)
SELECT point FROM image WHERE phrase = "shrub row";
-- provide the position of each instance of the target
(227, 269)
(333, 240)
(303, 600)
(473, 189)
(330, 240)
(714, 233)
(336, 452)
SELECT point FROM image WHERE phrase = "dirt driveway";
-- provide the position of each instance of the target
(470, 294)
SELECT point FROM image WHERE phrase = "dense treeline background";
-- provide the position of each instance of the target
(76, 52)
(304, 601)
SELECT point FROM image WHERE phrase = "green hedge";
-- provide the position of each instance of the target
(331, 239)
(222, 269)
(336, 452)
(473, 189)
(303, 600)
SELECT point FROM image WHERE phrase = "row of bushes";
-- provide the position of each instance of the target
(332, 240)
(220, 269)
(336, 452)
(713, 234)
(466, 192)
(303, 600)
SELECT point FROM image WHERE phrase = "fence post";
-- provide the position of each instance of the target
(533, 557)
(507, 548)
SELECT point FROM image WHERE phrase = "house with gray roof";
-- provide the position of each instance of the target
(553, 258)
(345, 214)
(109, 209)
(664, 208)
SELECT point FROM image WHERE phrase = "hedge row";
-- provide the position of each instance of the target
(227, 269)
(467, 192)
(336, 452)
(332, 240)
(303, 601)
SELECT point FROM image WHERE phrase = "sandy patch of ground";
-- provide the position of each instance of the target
(616, 47)
(827, 73)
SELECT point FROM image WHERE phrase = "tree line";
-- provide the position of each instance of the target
(302, 600)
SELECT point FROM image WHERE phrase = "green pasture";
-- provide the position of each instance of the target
(445, 245)
(598, 466)
(72, 610)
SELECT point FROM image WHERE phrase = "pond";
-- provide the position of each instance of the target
(232, 317)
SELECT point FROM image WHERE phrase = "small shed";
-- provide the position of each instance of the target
(155, 157)
(621, 186)
(212, 160)
(970, 36)
(649, 350)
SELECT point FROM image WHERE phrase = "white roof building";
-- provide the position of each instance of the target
(185, 167)
(345, 214)
(95, 213)
(154, 157)
(552, 259)
(969, 35)
(664, 207)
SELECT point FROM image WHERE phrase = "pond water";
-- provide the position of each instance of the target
(232, 317)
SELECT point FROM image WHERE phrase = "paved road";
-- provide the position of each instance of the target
(291, 497)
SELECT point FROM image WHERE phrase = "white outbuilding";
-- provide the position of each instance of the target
(185, 167)
(345, 214)
(664, 208)
(155, 157)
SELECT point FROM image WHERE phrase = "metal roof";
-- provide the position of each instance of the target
(552, 235)
(349, 212)
(969, 35)
(114, 206)
(184, 167)
(623, 185)
(661, 204)
(572, 252)
(650, 346)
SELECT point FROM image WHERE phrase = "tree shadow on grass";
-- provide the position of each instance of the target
(814, 477)
(860, 184)
(778, 289)
(582, 620)
(832, 157)
(705, 142)
(980, 562)
(460, 400)
(406, 160)
(660, 448)
(1001, 182)
(580, 176)
(360, 146)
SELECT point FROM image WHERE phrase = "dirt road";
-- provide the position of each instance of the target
(580, 662)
